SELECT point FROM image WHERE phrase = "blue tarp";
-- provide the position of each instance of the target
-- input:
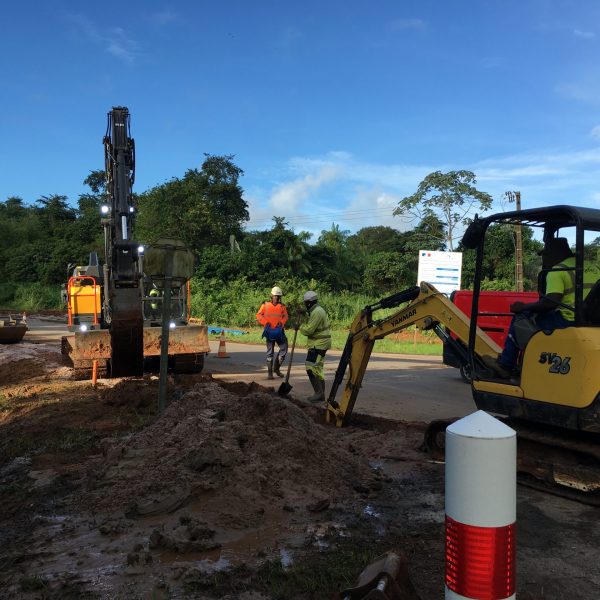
(212, 329)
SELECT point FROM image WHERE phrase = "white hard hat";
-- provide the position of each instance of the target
(310, 296)
(276, 291)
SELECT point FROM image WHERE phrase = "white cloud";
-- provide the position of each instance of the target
(595, 132)
(288, 196)
(586, 35)
(365, 193)
(115, 41)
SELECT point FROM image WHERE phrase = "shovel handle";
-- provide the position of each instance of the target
(287, 375)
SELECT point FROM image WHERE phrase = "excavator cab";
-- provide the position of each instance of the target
(558, 383)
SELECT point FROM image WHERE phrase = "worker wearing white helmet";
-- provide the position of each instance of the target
(273, 315)
(318, 334)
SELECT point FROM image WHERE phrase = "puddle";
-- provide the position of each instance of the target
(370, 511)
(285, 557)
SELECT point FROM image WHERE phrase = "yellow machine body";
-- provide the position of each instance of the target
(84, 301)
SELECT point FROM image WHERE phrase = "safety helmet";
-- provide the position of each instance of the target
(276, 291)
(310, 296)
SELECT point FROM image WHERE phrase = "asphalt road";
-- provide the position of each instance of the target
(395, 386)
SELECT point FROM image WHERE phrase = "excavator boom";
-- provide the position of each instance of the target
(123, 302)
(426, 309)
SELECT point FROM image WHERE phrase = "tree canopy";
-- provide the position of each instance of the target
(449, 196)
(206, 209)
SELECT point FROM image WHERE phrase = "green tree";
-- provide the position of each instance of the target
(387, 272)
(337, 265)
(450, 196)
(369, 240)
(203, 208)
(498, 267)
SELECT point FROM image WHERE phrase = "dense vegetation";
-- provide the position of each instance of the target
(40, 242)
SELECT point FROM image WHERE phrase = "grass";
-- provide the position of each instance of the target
(6, 404)
(431, 347)
(66, 440)
(33, 583)
(313, 576)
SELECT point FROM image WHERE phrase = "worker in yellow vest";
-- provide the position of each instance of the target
(554, 310)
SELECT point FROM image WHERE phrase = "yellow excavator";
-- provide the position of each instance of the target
(554, 401)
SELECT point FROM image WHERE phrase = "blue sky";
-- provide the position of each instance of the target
(334, 110)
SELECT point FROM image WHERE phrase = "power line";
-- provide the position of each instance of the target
(326, 217)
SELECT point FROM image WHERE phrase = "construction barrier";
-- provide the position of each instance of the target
(222, 350)
(481, 497)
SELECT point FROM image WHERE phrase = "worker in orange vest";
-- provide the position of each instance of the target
(273, 315)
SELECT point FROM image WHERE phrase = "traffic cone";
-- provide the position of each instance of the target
(222, 351)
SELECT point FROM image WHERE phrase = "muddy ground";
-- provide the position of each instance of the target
(233, 492)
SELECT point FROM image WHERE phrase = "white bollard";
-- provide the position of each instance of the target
(481, 503)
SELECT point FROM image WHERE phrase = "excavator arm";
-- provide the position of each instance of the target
(426, 309)
(122, 278)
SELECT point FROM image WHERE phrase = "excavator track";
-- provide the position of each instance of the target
(565, 464)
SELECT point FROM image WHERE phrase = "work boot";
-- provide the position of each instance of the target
(494, 365)
(277, 367)
(319, 388)
(270, 369)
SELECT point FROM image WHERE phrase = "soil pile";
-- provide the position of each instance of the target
(23, 361)
(238, 456)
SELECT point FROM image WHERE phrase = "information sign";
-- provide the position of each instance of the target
(440, 269)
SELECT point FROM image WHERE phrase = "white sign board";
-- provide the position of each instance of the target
(441, 269)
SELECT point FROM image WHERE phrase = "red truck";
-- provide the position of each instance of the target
(494, 318)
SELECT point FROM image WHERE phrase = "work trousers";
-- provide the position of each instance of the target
(547, 322)
(315, 359)
(283, 348)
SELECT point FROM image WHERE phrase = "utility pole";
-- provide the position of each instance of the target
(516, 198)
(518, 249)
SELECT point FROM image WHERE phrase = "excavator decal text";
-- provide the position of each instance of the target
(408, 315)
(557, 363)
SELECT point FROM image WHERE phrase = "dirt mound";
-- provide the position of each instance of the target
(24, 361)
(132, 392)
(239, 456)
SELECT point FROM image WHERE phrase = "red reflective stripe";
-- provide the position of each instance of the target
(480, 561)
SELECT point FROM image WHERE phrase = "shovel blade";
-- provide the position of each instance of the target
(284, 389)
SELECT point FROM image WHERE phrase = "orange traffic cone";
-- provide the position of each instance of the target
(222, 351)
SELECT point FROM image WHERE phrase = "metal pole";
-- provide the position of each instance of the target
(518, 249)
(164, 339)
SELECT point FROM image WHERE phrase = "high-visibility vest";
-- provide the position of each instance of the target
(270, 314)
(564, 281)
(154, 293)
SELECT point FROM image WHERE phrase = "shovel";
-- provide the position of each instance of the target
(285, 388)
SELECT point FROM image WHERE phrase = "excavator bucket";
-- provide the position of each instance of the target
(187, 344)
(11, 331)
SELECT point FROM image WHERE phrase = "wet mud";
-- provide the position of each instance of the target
(232, 492)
